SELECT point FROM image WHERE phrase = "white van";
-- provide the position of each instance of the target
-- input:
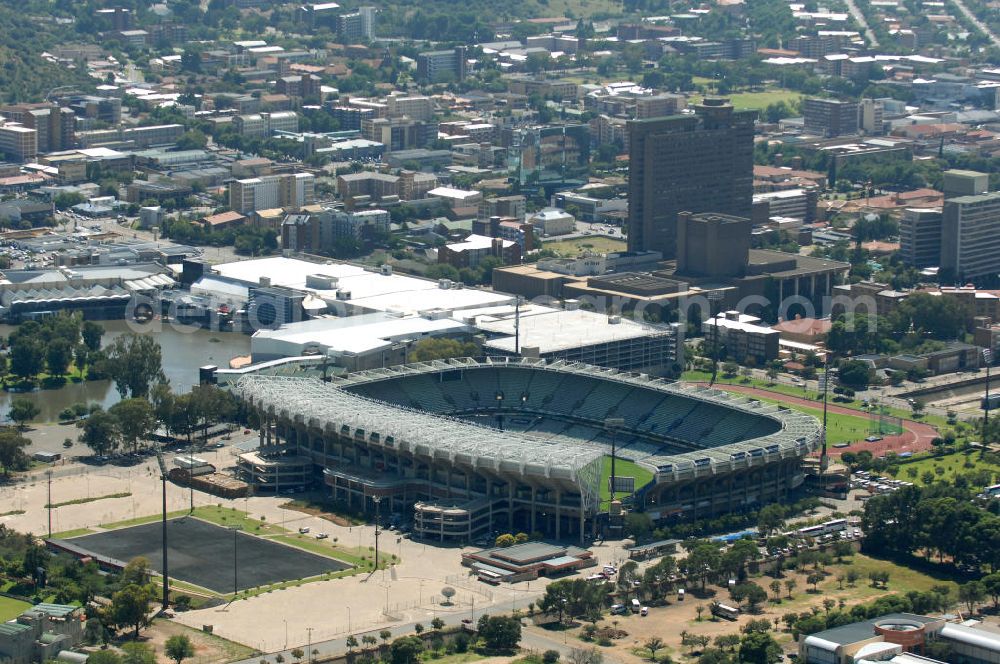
(636, 606)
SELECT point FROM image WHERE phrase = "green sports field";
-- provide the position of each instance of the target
(623, 468)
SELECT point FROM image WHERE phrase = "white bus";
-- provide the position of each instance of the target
(725, 611)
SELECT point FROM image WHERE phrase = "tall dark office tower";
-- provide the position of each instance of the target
(687, 163)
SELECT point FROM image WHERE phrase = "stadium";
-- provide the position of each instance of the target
(466, 448)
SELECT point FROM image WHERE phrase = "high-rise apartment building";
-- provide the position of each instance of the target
(55, 126)
(970, 236)
(442, 66)
(920, 237)
(357, 26)
(291, 191)
(18, 143)
(830, 117)
(687, 163)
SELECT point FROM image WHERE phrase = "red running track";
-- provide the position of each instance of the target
(916, 436)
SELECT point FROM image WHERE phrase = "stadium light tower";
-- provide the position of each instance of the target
(613, 424)
(713, 298)
(988, 360)
(500, 409)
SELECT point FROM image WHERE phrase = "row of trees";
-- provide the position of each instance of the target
(939, 521)
(126, 425)
(52, 346)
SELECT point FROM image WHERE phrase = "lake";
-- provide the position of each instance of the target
(184, 350)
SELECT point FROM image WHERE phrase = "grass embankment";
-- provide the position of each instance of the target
(945, 468)
(83, 501)
(11, 608)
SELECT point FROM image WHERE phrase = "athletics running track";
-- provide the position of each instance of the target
(916, 436)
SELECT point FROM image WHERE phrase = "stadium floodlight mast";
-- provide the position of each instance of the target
(988, 360)
(613, 424)
(714, 297)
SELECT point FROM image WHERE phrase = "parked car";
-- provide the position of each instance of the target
(303, 530)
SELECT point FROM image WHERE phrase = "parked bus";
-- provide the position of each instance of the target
(725, 611)
(492, 578)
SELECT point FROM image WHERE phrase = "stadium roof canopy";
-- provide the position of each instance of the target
(326, 406)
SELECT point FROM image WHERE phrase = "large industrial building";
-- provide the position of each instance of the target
(465, 448)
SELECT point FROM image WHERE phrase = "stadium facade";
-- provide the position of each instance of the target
(471, 447)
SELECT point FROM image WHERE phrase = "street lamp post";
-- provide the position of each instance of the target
(166, 582)
(309, 654)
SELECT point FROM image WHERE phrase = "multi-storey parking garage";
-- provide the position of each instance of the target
(470, 447)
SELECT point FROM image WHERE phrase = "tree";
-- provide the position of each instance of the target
(582, 656)
(130, 607)
(297, 654)
(437, 623)
(703, 562)
(12, 456)
(385, 635)
(652, 645)
(134, 420)
(447, 592)
(179, 648)
(99, 432)
(104, 657)
(813, 580)
(775, 587)
(140, 653)
(971, 593)
(759, 648)
(505, 540)
(770, 519)
(133, 362)
(441, 349)
(500, 633)
(855, 374)
(27, 358)
(58, 355)
(23, 411)
(790, 586)
(91, 333)
(406, 650)
(351, 643)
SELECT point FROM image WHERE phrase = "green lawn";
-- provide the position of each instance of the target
(950, 465)
(754, 100)
(623, 468)
(598, 243)
(11, 608)
(331, 550)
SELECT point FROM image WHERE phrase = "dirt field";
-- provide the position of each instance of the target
(208, 649)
